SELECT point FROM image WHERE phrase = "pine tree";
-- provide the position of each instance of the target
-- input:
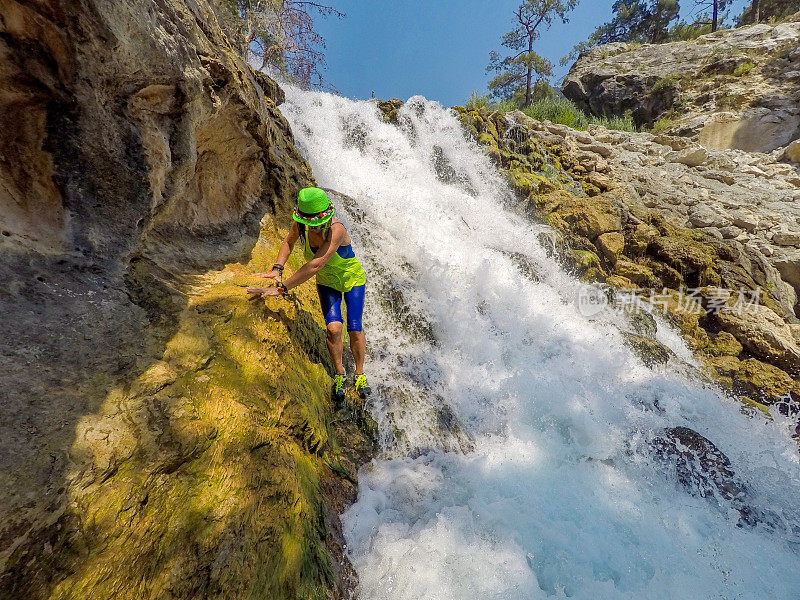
(760, 11)
(524, 70)
(707, 12)
(635, 21)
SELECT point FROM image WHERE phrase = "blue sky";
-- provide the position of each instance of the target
(437, 48)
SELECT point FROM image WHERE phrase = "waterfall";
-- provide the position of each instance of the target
(518, 435)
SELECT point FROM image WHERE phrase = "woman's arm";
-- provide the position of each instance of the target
(283, 254)
(322, 256)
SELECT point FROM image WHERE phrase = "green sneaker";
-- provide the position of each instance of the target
(338, 387)
(362, 387)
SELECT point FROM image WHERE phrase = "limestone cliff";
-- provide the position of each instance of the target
(161, 435)
(737, 88)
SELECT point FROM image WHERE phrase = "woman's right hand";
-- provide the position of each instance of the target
(273, 274)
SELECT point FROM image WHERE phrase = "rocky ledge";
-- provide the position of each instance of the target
(735, 88)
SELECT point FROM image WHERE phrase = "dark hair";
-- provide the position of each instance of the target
(301, 229)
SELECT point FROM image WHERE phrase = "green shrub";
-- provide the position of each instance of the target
(743, 69)
(553, 109)
(662, 124)
(503, 106)
(565, 112)
(732, 101)
(619, 123)
(667, 82)
(476, 102)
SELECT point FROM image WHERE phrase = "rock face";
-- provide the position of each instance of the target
(736, 88)
(691, 231)
(161, 435)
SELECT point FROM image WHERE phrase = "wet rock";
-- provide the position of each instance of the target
(638, 274)
(767, 384)
(649, 350)
(389, 109)
(723, 344)
(611, 245)
(669, 229)
(703, 470)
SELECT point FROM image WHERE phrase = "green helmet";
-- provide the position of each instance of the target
(313, 207)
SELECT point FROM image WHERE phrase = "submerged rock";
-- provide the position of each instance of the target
(704, 471)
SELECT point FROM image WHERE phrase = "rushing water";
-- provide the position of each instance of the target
(517, 433)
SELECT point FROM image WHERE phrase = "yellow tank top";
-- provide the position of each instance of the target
(342, 272)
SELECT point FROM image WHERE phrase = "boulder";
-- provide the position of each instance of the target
(763, 332)
(611, 245)
(792, 151)
(650, 351)
(786, 238)
(638, 274)
(704, 471)
(766, 384)
(702, 216)
(693, 157)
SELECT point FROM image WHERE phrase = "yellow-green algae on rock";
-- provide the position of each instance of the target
(224, 475)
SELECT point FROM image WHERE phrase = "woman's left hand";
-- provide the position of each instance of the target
(270, 292)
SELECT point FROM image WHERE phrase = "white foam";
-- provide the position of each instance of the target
(556, 494)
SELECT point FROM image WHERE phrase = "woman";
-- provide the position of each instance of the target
(329, 256)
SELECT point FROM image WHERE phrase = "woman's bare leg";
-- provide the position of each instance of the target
(334, 340)
(358, 343)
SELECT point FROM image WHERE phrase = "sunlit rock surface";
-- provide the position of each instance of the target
(736, 88)
(161, 435)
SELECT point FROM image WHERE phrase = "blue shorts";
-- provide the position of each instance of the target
(331, 302)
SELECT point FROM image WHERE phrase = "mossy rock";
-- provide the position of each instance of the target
(521, 182)
(638, 274)
(556, 222)
(721, 369)
(723, 344)
(666, 275)
(594, 274)
(491, 129)
(621, 282)
(589, 218)
(484, 139)
(649, 350)
(611, 245)
(641, 237)
(685, 312)
(765, 383)
(527, 183)
(583, 260)
(493, 152)
(643, 323)
(682, 253)
(751, 406)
